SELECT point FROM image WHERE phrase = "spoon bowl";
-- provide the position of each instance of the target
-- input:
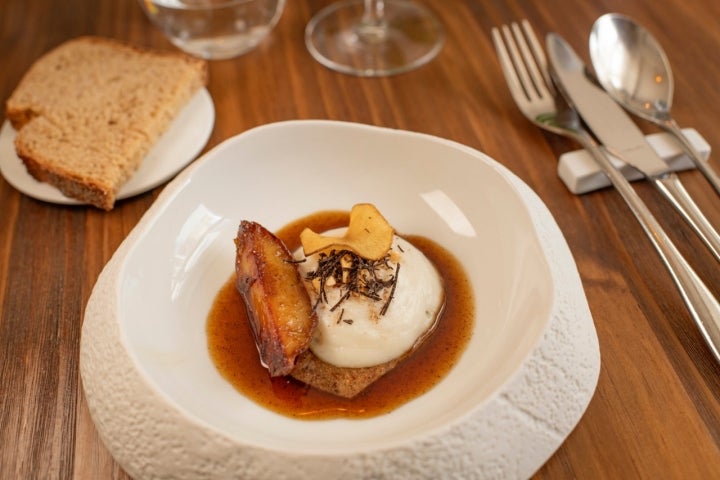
(632, 67)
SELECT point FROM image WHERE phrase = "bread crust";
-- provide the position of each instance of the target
(341, 381)
(88, 112)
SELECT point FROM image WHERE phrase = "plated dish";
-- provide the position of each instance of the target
(519, 388)
(182, 142)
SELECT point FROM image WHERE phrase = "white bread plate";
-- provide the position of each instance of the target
(521, 386)
(179, 145)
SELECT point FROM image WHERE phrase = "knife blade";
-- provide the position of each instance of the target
(621, 137)
(605, 118)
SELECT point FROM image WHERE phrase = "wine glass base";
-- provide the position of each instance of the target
(408, 36)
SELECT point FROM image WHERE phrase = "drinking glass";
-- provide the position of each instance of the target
(214, 29)
(372, 38)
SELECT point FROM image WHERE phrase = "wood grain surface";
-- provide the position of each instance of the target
(656, 411)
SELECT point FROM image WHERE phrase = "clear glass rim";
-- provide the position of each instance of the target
(180, 5)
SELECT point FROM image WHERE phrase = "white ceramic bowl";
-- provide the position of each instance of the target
(520, 387)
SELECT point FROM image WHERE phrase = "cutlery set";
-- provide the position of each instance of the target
(565, 98)
(621, 137)
(633, 68)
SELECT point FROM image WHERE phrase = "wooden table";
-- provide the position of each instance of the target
(656, 411)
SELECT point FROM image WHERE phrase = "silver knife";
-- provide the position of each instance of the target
(621, 136)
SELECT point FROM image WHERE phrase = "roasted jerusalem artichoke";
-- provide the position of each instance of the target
(277, 303)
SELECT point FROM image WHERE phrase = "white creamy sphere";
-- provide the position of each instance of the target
(356, 333)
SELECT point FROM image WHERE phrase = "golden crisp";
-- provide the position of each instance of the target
(369, 235)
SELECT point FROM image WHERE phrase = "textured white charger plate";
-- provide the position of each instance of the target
(184, 139)
(521, 386)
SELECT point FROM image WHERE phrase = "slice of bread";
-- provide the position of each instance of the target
(340, 381)
(88, 112)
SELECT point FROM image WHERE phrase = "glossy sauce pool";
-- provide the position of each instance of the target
(232, 347)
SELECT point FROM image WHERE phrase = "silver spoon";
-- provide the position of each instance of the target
(632, 67)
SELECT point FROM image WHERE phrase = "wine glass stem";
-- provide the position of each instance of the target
(372, 27)
(374, 10)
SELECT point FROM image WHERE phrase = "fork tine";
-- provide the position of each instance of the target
(530, 58)
(523, 59)
(523, 63)
(508, 67)
(520, 67)
(540, 58)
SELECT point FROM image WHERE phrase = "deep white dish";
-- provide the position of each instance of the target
(519, 389)
(184, 139)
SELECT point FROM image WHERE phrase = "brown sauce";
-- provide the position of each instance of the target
(234, 354)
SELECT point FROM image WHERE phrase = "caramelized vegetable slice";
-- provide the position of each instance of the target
(277, 303)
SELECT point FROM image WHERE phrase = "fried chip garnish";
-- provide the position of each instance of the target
(369, 235)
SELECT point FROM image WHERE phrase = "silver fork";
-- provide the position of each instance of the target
(527, 74)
